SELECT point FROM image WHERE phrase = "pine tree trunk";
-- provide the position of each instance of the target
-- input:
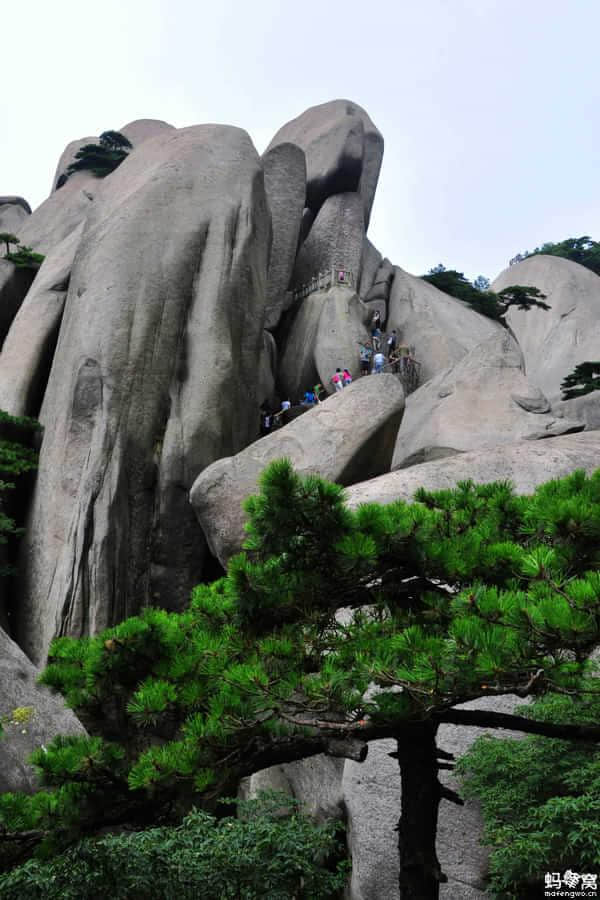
(420, 872)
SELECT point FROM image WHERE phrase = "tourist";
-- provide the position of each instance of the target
(392, 342)
(319, 390)
(309, 398)
(379, 360)
(376, 336)
(266, 420)
(365, 358)
(337, 380)
(346, 377)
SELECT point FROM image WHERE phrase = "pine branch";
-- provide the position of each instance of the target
(481, 718)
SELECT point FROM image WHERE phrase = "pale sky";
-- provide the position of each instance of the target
(490, 109)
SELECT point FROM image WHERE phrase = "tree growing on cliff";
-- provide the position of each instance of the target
(480, 298)
(101, 158)
(7, 238)
(584, 379)
(463, 594)
(582, 250)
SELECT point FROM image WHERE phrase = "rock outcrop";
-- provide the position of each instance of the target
(13, 212)
(526, 464)
(554, 341)
(31, 717)
(153, 379)
(335, 240)
(285, 184)
(323, 332)
(343, 151)
(441, 329)
(349, 433)
(482, 402)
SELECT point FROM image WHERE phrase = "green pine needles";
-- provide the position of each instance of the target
(464, 593)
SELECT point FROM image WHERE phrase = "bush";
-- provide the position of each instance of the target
(261, 855)
(540, 800)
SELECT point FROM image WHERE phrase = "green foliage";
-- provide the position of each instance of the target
(584, 379)
(7, 238)
(25, 258)
(16, 460)
(582, 250)
(480, 298)
(259, 855)
(464, 593)
(101, 158)
(540, 799)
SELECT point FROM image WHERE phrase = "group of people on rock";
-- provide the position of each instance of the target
(341, 378)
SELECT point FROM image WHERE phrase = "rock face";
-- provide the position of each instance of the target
(61, 213)
(482, 402)
(27, 352)
(554, 341)
(323, 334)
(285, 184)
(13, 212)
(335, 239)
(369, 264)
(31, 716)
(526, 464)
(153, 379)
(441, 329)
(349, 433)
(343, 151)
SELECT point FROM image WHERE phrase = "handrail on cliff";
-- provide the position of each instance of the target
(324, 280)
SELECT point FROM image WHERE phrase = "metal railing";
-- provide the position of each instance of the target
(324, 280)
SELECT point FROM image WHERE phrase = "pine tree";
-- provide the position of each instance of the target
(584, 379)
(465, 593)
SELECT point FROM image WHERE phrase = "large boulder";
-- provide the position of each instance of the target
(349, 434)
(439, 327)
(526, 464)
(343, 151)
(31, 717)
(335, 240)
(28, 350)
(14, 284)
(322, 335)
(13, 212)
(285, 183)
(554, 341)
(481, 402)
(153, 378)
(68, 156)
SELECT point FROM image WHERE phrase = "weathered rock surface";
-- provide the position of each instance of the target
(31, 716)
(369, 264)
(350, 433)
(154, 378)
(60, 213)
(14, 284)
(323, 335)
(27, 352)
(526, 464)
(554, 341)
(343, 151)
(285, 185)
(440, 328)
(483, 401)
(13, 212)
(335, 240)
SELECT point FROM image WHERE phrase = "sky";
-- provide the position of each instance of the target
(490, 109)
